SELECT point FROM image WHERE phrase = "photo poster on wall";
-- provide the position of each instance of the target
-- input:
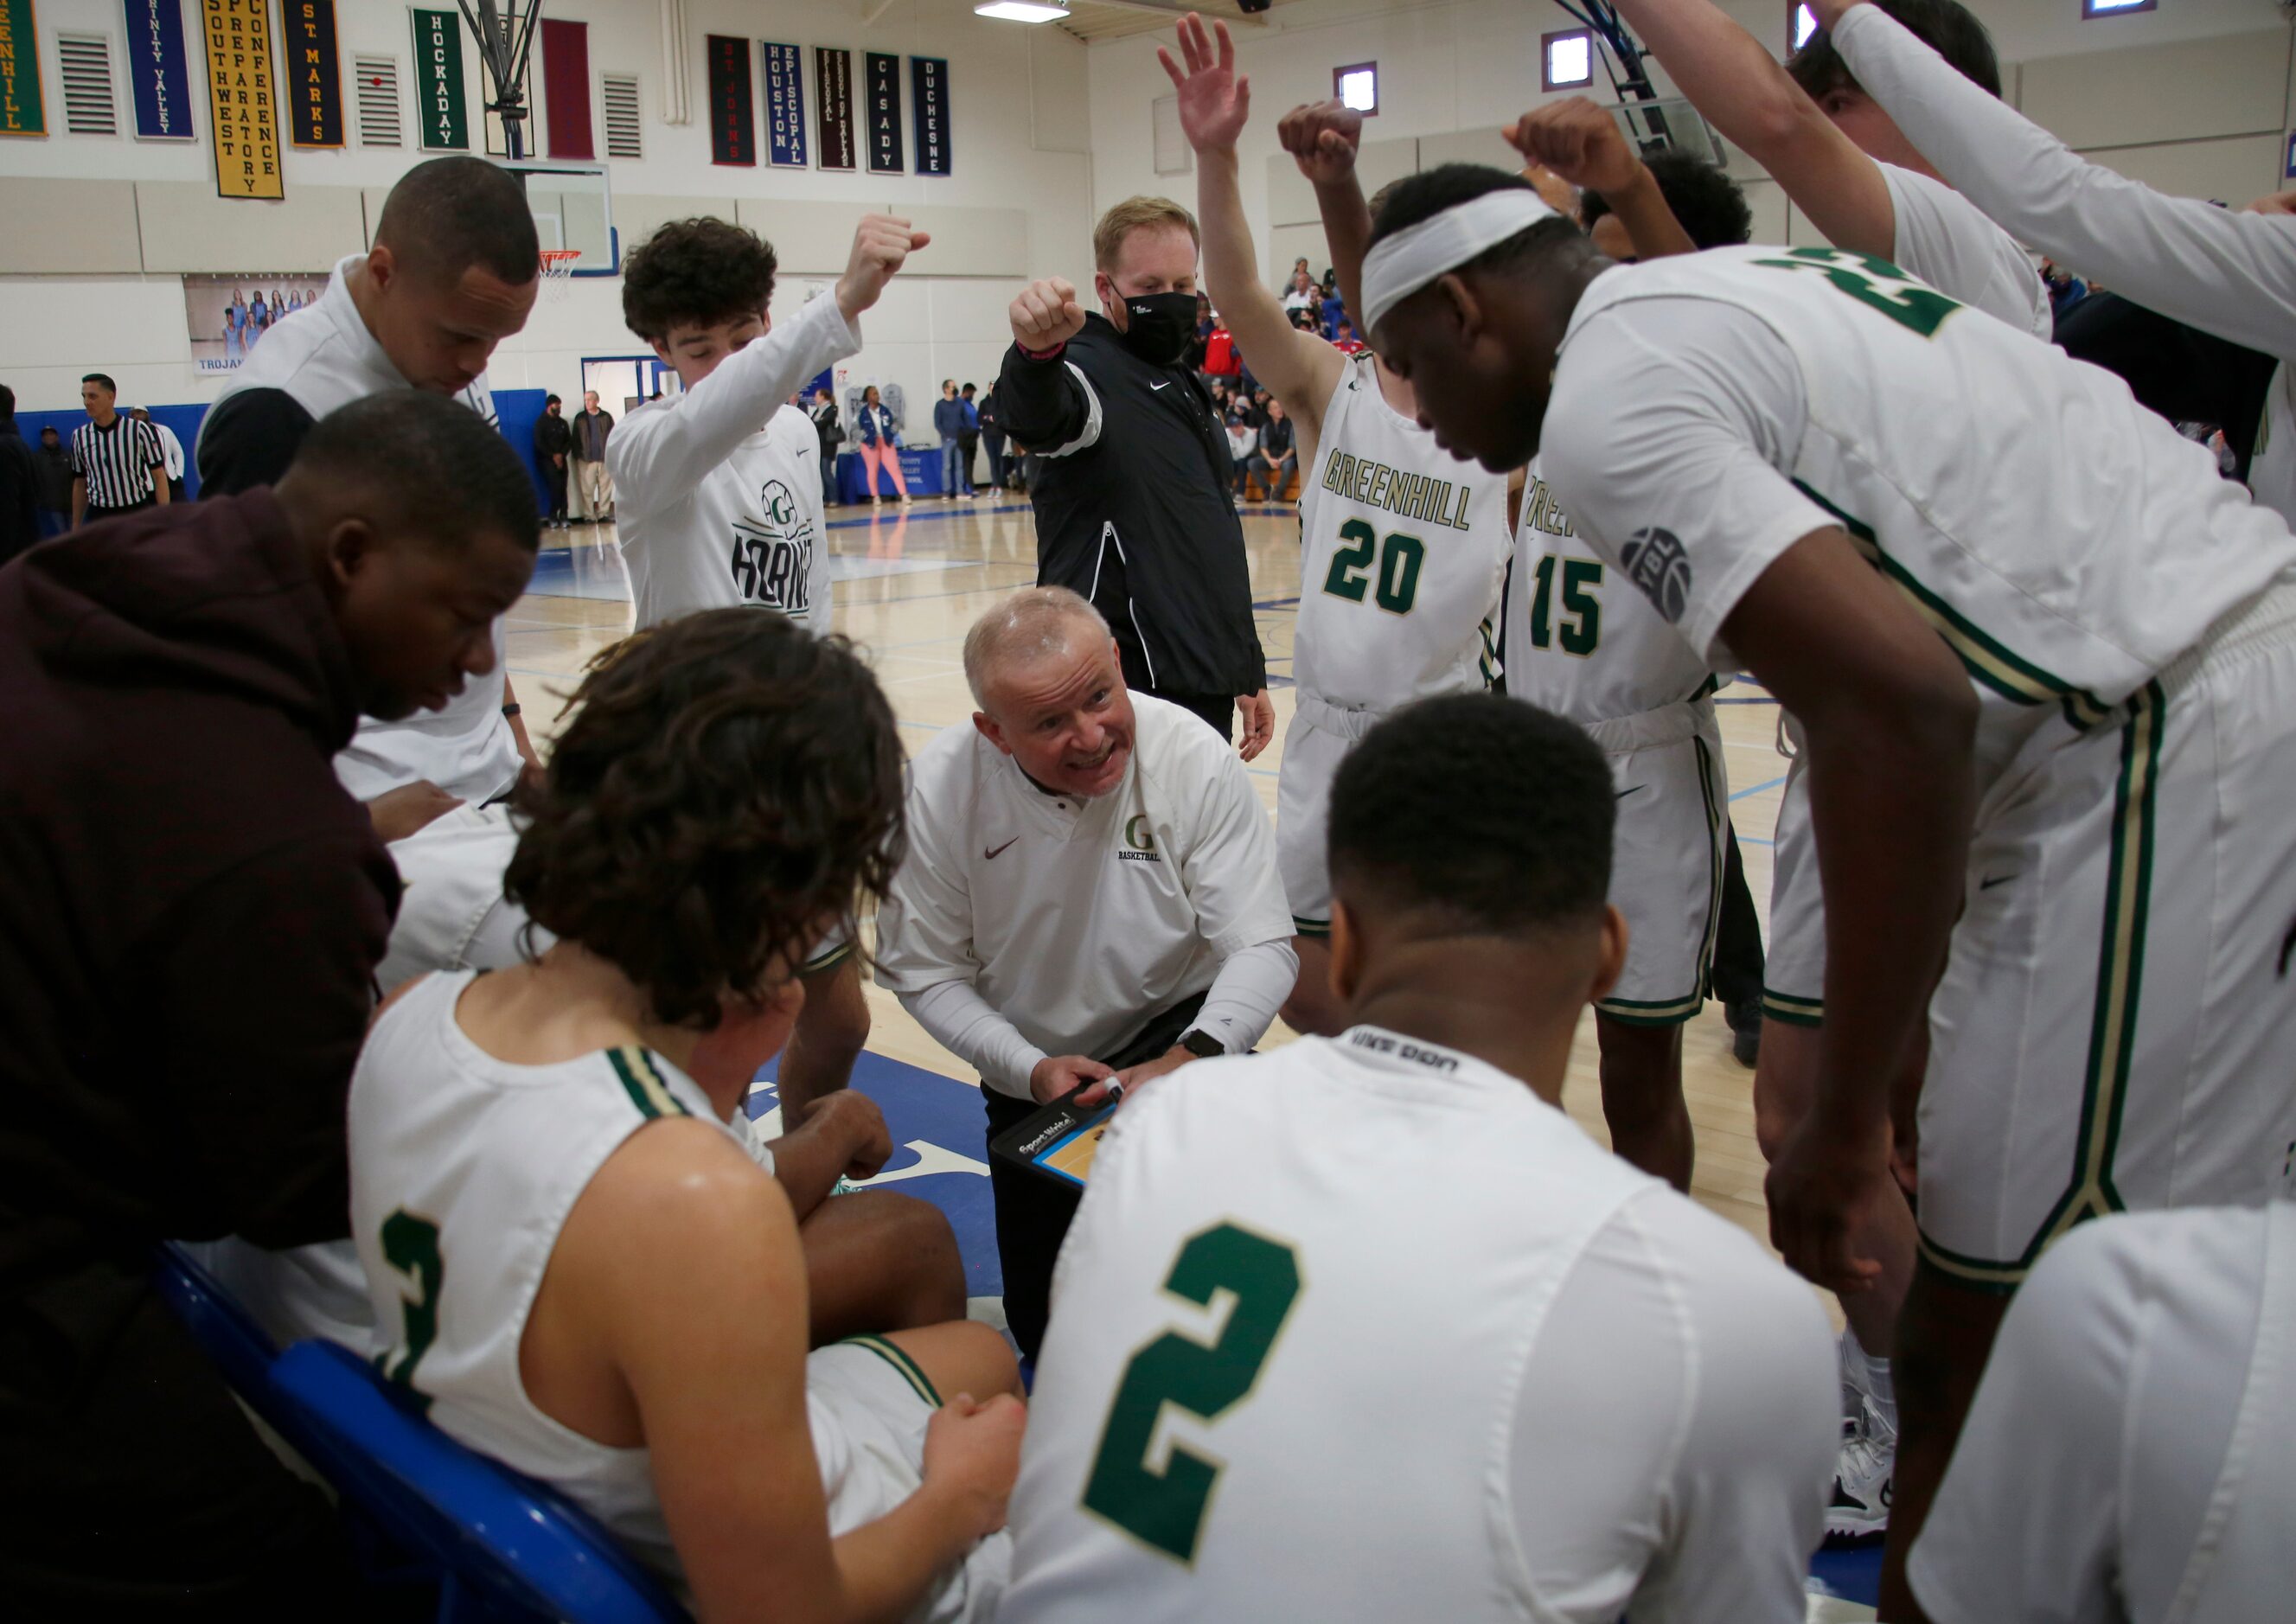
(446, 123)
(885, 114)
(833, 82)
(22, 110)
(227, 315)
(733, 111)
(929, 90)
(315, 75)
(785, 106)
(159, 70)
(243, 101)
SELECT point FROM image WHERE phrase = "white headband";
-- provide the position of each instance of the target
(1407, 261)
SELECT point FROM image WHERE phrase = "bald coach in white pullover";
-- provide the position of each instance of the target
(1090, 891)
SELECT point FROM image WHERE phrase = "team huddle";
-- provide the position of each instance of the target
(1365, 1327)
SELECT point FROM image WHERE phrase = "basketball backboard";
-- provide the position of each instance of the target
(573, 209)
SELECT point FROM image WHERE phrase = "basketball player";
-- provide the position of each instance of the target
(2042, 679)
(1542, 1386)
(721, 492)
(577, 1267)
(1403, 554)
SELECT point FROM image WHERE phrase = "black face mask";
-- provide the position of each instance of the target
(1159, 327)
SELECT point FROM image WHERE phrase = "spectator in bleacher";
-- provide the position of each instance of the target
(949, 422)
(1278, 456)
(1242, 446)
(188, 894)
(824, 413)
(1302, 294)
(1344, 339)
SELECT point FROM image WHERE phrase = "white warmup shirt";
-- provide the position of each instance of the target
(1507, 1376)
(1403, 558)
(2228, 273)
(2127, 1460)
(324, 357)
(718, 492)
(1025, 924)
(1946, 240)
(1712, 410)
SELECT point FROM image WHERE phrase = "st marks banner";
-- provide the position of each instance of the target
(439, 91)
(315, 75)
(243, 95)
(159, 70)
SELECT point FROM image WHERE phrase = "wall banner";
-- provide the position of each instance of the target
(833, 82)
(315, 74)
(885, 114)
(22, 113)
(929, 91)
(243, 97)
(566, 87)
(733, 111)
(438, 88)
(784, 106)
(159, 70)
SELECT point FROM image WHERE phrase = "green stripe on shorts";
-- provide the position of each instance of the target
(1792, 1011)
(907, 1367)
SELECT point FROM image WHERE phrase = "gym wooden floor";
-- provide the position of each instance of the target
(911, 582)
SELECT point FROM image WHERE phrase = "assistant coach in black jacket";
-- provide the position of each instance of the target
(1133, 509)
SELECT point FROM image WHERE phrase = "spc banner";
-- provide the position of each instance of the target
(158, 71)
(23, 111)
(733, 113)
(243, 95)
(315, 74)
(833, 81)
(784, 106)
(439, 90)
(884, 113)
(929, 90)
(566, 87)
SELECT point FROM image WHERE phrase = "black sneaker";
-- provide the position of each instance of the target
(1745, 1019)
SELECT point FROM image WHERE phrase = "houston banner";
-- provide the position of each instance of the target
(833, 82)
(733, 111)
(243, 93)
(566, 87)
(315, 74)
(785, 106)
(159, 70)
(929, 91)
(439, 91)
(885, 113)
(22, 113)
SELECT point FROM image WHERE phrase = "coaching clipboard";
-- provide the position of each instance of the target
(1057, 1143)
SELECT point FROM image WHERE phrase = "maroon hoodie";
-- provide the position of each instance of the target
(191, 907)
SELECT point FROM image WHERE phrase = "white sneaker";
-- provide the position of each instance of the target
(1860, 1508)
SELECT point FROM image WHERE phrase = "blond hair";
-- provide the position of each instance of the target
(1136, 214)
(1025, 627)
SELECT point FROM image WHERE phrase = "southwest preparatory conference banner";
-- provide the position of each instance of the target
(438, 81)
(785, 106)
(245, 96)
(315, 74)
(733, 113)
(159, 70)
(884, 113)
(929, 89)
(833, 81)
(21, 111)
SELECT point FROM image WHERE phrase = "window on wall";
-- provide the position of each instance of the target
(1357, 87)
(2116, 8)
(1566, 61)
(1801, 23)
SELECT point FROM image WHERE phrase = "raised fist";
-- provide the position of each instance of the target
(1046, 315)
(1579, 140)
(1322, 138)
(881, 244)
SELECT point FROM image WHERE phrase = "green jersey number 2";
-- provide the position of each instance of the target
(1874, 282)
(1165, 1509)
(411, 1246)
(1389, 570)
(1582, 631)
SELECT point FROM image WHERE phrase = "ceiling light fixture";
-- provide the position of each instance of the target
(1021, 11)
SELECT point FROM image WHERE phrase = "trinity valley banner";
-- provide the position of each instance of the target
(158, 71)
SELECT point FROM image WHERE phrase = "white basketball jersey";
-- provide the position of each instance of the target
(751, 533)
(1402, 559)
(1264, 1394)
(2066, 543)
(1581, 642)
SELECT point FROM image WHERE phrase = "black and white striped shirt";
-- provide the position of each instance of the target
(117, 462)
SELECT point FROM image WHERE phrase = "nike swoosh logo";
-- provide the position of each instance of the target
(1622, 794)
(992, 855)
(1989, 883)
(1160, 386)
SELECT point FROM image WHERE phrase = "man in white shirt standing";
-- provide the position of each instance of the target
(170, 447)
(1090, 893)
(1540, 1384)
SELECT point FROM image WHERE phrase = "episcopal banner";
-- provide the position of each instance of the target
(243, 96)
(159, 70)
(439, 92)
(929, 89)
(315, 74)
(784, 106)
(566, 87)
(884, 113)
(733, 111)
(23, 111)
(833, 82)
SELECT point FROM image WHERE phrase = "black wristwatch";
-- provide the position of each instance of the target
(1202, 1045)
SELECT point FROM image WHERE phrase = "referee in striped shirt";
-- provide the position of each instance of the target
(119, 466)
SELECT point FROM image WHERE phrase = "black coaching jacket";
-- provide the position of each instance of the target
(1134, 509)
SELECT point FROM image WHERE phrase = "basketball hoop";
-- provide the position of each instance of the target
(558, 272)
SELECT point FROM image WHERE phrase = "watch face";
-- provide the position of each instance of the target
(1203, 1045)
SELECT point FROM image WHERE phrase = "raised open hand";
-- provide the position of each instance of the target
(1215, 99)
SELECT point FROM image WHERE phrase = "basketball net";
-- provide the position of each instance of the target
(558, 272)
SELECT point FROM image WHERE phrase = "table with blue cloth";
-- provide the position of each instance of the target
(921, 469)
